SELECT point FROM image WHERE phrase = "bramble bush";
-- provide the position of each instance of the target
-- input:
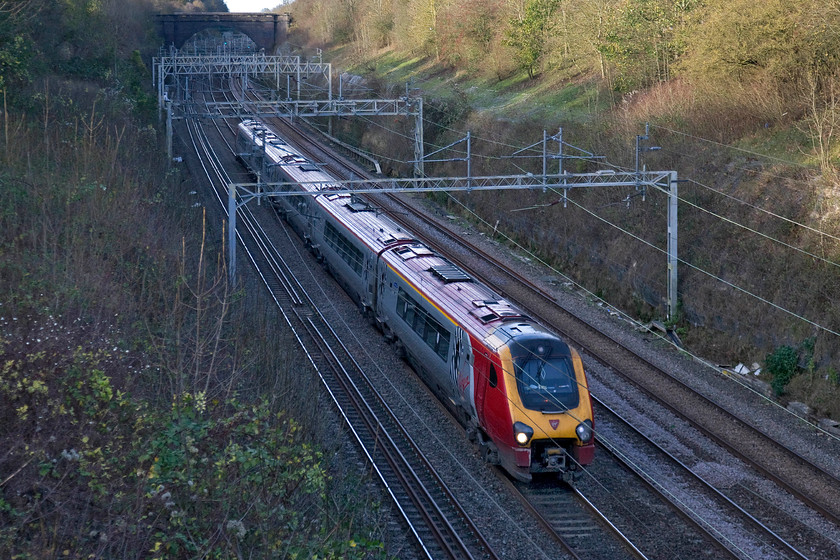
(92, 471)
(235, 479)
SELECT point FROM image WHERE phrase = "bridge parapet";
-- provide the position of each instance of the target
(267, 30)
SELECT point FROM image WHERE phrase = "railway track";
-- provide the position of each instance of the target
(431, 513)
(699, 503)
(786, 467)
(778, 542)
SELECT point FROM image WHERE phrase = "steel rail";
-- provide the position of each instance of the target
(775, 538)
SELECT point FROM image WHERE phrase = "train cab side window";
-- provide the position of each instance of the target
(494, 377)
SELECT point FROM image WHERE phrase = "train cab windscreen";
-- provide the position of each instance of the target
(545, 376)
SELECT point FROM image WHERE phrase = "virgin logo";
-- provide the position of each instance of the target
(554, 424)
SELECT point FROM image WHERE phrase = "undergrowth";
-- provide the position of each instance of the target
(139, 416)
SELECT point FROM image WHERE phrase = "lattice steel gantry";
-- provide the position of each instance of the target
(663, 181)
(177, 66)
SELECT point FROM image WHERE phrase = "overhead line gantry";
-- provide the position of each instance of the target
(177, 66)
(245, 65)
(664, 181)
(238, 65)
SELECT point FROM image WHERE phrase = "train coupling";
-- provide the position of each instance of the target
(554, 459)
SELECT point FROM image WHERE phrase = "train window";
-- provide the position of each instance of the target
(403, 305)
(494, 377)
(348, 252)
(430, 336)
(423, 324)
(545, 377)
(442, 350)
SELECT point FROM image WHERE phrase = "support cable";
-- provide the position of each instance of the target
(764, 211)
(711, 275)
(751, 230)
(750, 152)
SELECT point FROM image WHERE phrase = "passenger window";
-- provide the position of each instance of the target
(430, 336)
(494, 377)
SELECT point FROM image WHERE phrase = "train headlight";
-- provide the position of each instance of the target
(523, 433)
(584, 431)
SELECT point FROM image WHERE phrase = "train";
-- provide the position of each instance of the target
(519, 390)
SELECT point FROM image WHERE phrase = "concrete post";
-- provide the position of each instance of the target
(672, 246)
(169, 131)
(232, 234)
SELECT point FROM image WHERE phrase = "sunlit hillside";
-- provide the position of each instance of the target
(739, 98)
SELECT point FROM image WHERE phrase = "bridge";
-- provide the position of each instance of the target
(267, 30)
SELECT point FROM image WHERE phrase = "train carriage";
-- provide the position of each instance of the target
(519, 389)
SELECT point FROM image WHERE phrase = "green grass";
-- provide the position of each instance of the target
(515, 97)
(788, 144)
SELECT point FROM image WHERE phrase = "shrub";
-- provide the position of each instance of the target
(782, 365)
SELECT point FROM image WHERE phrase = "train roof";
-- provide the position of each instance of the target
(471, 304)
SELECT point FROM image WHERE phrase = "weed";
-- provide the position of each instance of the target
(782, 365)
(807, 351)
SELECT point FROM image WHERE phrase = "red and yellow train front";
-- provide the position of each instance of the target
(551, 423)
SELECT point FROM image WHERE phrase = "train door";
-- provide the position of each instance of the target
(379, 282)
(368, 280)
(461, 369)
(480, 375)
(309, 209)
